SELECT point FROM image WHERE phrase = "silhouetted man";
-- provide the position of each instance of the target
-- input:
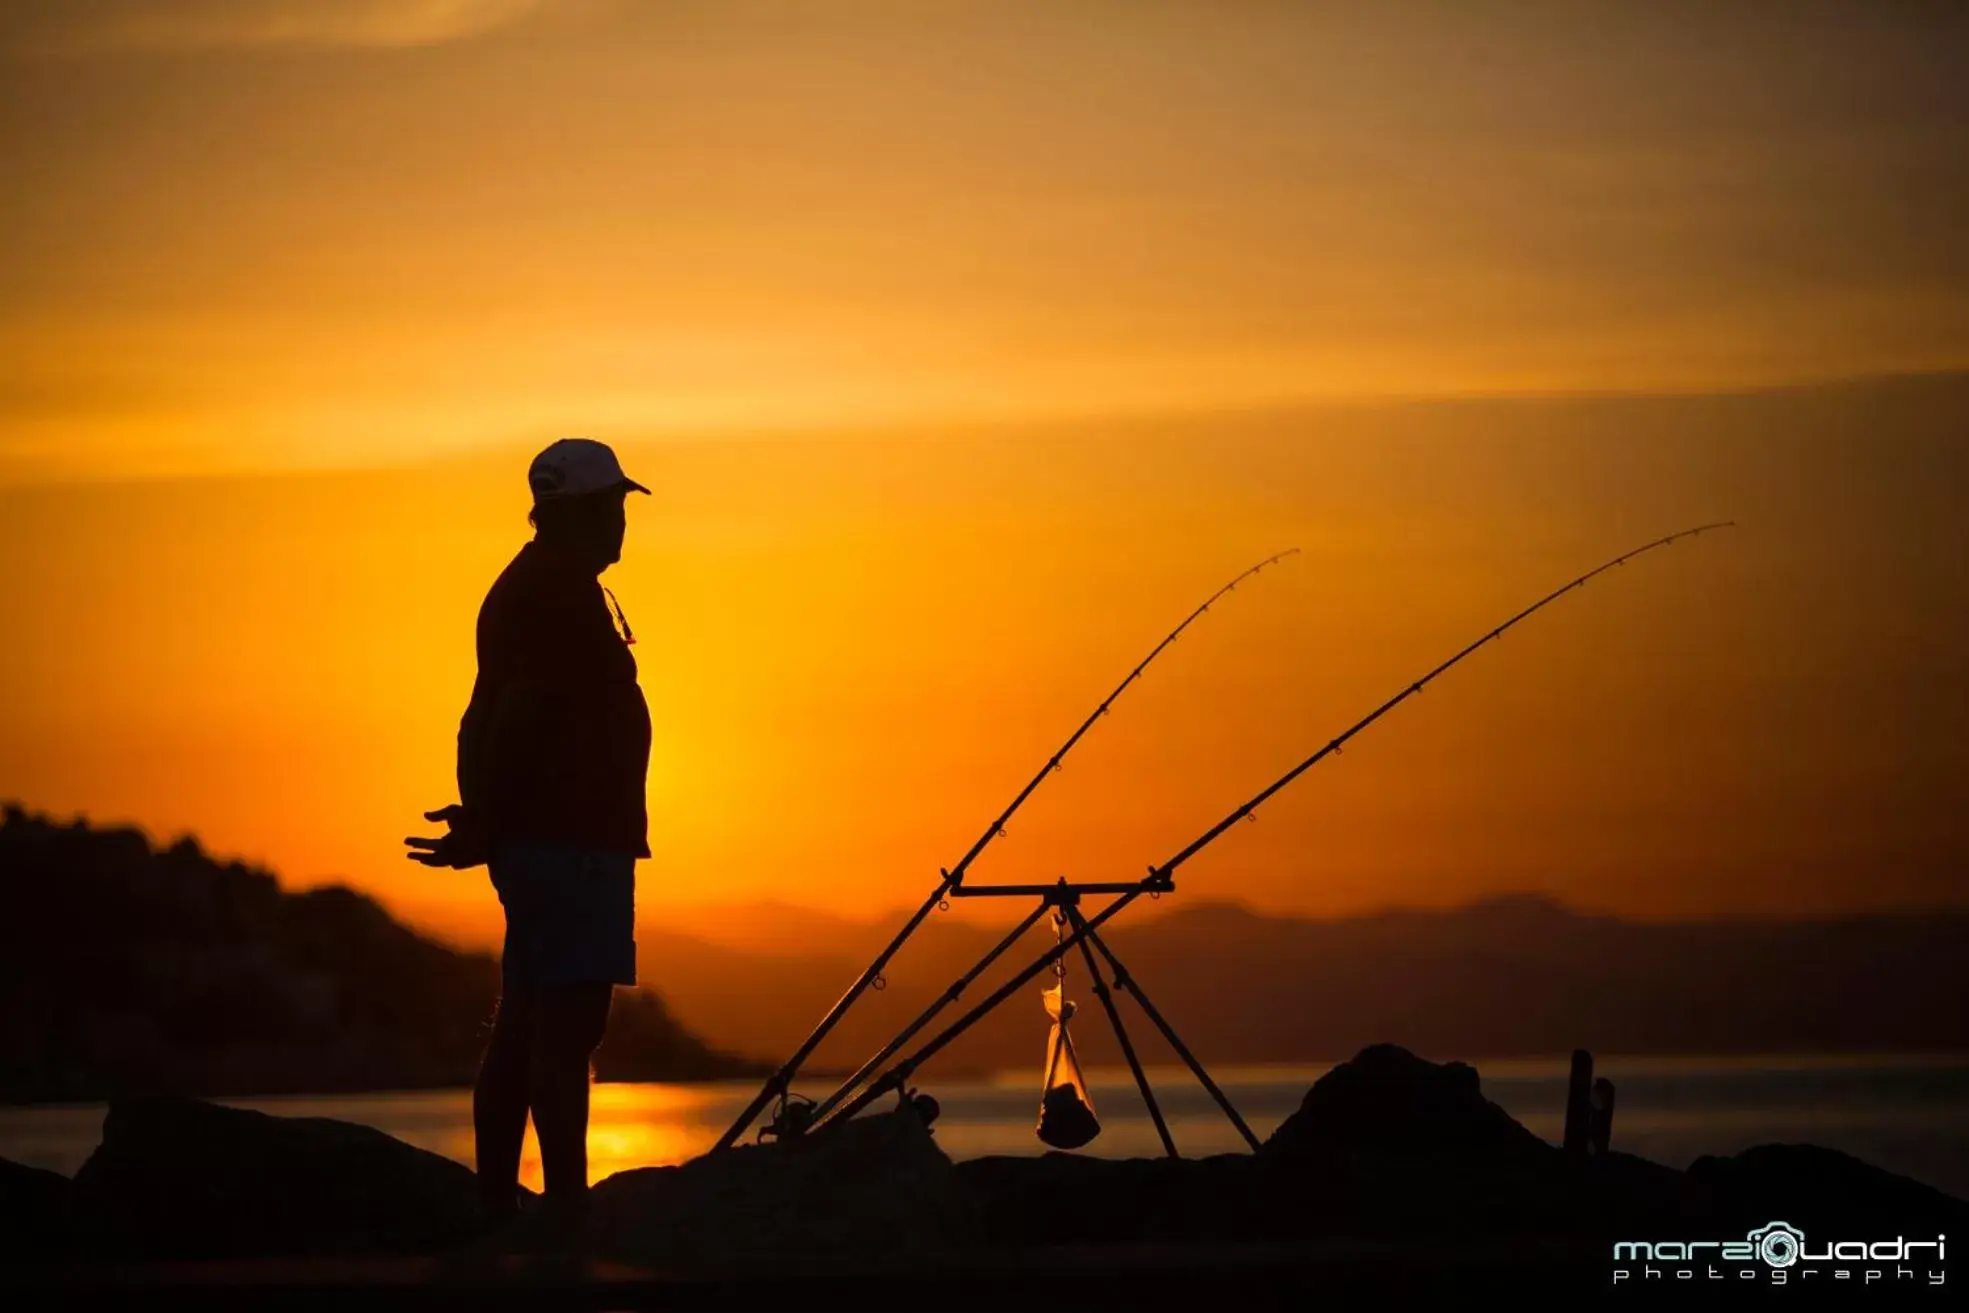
(553, 752)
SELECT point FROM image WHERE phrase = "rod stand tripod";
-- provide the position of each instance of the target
(796, 1116)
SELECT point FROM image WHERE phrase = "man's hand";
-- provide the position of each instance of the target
(462, 847)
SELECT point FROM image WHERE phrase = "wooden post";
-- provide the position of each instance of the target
(1602, 1116)
(1579, 1106)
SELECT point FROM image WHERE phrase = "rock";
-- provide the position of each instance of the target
(1389, 1101)
(1415, 1148)
(33, 1212)
(1387, 1146)
(1061, 1199)
(1619, 1194)
(1823, 1191)
(1067, 1198)
(180, 1178)
(874, 1190)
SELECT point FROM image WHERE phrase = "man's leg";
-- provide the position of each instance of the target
(567, 1025)
(499, 1104)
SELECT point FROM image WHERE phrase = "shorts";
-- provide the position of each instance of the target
(570, 914)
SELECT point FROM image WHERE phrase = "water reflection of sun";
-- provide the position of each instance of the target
(637, 1126)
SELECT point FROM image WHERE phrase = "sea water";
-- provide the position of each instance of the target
(1907, 1114)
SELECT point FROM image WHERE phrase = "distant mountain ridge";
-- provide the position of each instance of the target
(1520, 974)
(126, 969)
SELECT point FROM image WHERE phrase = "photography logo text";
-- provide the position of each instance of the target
(1778, 1254)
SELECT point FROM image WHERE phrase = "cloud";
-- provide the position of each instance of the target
(84, 27)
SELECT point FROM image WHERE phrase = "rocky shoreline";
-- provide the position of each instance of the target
(1396, 1173)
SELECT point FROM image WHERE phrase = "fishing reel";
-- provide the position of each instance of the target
(925, 1106)
(793, 1117)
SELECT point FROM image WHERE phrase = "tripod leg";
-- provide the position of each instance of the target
(1102, 992)
(896, 1076)
(1123, 980)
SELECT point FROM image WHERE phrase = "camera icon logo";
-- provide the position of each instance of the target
(1778, 1243)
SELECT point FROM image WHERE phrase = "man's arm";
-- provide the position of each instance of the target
(468, 840)
(498, 741)
(474, 734)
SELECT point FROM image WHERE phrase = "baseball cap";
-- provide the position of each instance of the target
(575, 467)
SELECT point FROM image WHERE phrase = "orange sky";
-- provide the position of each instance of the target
(967, 347)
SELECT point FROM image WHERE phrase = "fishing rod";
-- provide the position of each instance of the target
(1160, 879)
(953, 878)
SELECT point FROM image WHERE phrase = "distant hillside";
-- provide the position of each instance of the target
(1511, 976)
(129, 968)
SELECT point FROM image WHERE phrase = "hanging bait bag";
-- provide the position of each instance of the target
(1066, 1112)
